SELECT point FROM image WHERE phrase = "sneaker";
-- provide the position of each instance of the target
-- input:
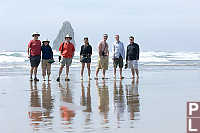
(96, 78)
(58, 79)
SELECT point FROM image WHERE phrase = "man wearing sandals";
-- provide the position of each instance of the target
(67, 52)
(118, 55)
(34, 53)
(132, 56)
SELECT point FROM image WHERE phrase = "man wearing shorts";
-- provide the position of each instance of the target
(34, 53)
(132, 57)
(103, 57)
(118, 55)
(67, 52)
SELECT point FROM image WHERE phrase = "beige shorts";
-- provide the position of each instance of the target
(133, 64)
(66, 61)
(46, 67)
(103, 62)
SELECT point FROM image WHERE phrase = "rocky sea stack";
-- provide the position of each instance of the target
(65, 29)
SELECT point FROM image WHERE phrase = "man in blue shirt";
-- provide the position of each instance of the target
(118, 55)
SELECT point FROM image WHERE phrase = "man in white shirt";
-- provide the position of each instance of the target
(118, 55)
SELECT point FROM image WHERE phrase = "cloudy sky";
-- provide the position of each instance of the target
(172, 25)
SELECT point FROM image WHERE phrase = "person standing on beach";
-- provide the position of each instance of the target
(118, 55)
(47, 55)
(132, 57)
(67, 53)
(34, 53)
(85, 57)
(103, 56)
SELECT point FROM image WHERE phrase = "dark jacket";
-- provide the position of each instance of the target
(132, 52)
(86, 50)
(47, 52)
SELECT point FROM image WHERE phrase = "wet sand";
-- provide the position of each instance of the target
(154, 103)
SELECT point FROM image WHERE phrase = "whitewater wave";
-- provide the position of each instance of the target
(149, 58)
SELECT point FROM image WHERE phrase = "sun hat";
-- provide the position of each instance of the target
(45, 40)
(35, 33)
(68, 36)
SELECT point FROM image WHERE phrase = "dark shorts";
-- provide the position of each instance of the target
(118, 62)
(35, 60)
(85, 60)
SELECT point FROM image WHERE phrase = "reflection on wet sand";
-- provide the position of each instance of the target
(125, 100)
(103, 100)
(40, 113)
(47, 104)
(66, 107)
(35, 111)
(132, 96)
(86, 101)
(119, 101)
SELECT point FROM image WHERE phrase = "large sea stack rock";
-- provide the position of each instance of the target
(66, 29)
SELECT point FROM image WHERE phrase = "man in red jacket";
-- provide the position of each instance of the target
(34, 53)
(67, 52)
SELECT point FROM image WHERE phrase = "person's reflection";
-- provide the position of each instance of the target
(119, 103)
(133, 102)
(47, 102)
(35, 112)
(103, 100)
(67, 113)
(86, 101)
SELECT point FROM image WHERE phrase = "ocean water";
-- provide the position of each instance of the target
(148, 60)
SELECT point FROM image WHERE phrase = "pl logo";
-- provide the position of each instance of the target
(193, 117)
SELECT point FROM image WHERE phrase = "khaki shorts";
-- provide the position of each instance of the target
(103, 62)
(66, 61)
(46, 67)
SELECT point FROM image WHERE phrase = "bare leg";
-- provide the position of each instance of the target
(137, 72)
(104, 73)
(89, 71)
(97, 72)
(35, 72)
(114, 72)
(31, 73)
(133, 72)
(60, 70)
(120, 70)
(67, 71)
(82, 69)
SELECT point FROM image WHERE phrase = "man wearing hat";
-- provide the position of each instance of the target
(47, 56)
(67, 52)
(132, 57)
(34, 53)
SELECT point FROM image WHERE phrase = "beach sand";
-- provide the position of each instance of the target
(155, 103)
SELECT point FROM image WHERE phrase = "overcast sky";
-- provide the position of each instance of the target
(172, 25)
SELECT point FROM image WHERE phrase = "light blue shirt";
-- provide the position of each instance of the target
(118, 49)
